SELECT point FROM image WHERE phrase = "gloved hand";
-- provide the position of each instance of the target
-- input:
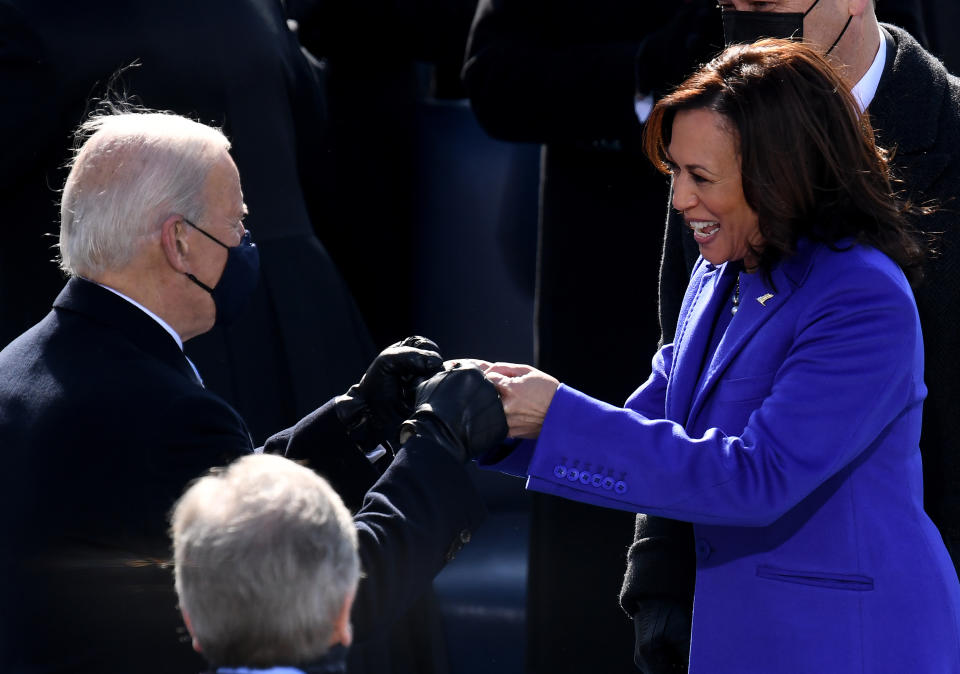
(662, 631)
(667, 57)
(373, 409)
(459, 410)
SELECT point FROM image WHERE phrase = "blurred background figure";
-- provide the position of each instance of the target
(567, 76)
(940, 21)
(378, 60)
(932, 23)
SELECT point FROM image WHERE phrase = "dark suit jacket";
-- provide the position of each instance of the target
(916, 112)
(103, 425)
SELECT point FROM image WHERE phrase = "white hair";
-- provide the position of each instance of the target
(133, 171)
(265, 556)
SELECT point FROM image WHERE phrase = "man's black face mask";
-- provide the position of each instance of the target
(238, 280)
(748, 27)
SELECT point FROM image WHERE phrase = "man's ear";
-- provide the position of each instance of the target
(186, 621)
(342, 629)
(173, 238)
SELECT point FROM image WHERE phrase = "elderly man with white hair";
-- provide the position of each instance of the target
(266, 567)
(104, 420)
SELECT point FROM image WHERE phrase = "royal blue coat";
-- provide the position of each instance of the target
(793, 448)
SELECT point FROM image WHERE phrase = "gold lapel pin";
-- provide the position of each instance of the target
(763, 299)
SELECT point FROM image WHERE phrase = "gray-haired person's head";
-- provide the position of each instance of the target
(266, 559)
(132, 171)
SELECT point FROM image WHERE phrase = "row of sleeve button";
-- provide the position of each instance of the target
(585, 477)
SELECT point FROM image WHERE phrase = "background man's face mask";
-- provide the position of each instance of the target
(748, 27)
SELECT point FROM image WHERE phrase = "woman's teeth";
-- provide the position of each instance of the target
(704, 229)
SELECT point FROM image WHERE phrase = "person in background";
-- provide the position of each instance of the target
(376, 56)
(940, 17)
(784, 419)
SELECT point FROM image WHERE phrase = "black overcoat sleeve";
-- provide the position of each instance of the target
(320, 441)
(660, 563)
(414, 520)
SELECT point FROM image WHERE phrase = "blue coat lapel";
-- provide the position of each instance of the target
(692, 341)
(753, 313)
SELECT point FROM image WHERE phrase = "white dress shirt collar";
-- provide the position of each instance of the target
(866, 88)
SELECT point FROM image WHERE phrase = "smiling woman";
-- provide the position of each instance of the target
(784, 419)
(705, 163)
(773, 159)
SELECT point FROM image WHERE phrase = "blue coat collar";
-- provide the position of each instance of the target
(709, 287)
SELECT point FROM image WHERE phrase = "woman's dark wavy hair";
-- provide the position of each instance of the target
(809, 162)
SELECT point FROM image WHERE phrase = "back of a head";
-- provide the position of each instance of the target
(132, 170)
(266, 556)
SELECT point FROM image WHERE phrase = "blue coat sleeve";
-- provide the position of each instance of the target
(650, 399)
(852, 366)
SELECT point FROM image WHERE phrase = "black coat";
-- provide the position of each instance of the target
(563, 74)
(916, 111)
(103, 424)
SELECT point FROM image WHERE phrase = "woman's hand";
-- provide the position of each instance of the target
(526, 394)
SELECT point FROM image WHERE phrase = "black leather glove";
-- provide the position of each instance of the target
(459, 410)
(667, 57)
(662, 630)
(373, 409)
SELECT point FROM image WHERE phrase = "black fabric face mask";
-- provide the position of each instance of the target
(748, 27)
(238, 280)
